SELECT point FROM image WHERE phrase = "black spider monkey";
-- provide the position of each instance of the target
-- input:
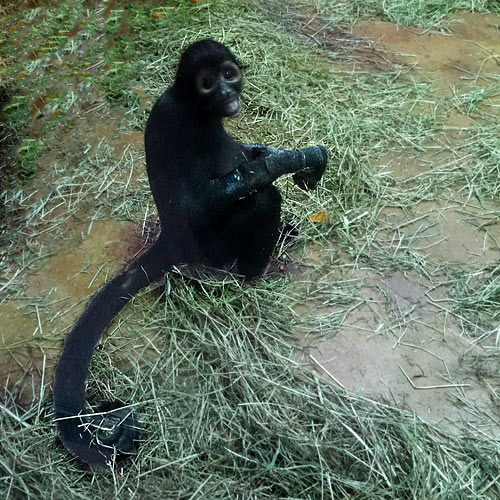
(217, 207)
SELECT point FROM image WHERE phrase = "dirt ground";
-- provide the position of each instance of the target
(399, 345)
(425, 362)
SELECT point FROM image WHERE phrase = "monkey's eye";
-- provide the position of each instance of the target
(228, 74)
(206, 81)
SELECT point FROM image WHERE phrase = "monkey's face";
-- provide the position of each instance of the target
(219, 89)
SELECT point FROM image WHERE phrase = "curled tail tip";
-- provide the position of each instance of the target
(101, 439)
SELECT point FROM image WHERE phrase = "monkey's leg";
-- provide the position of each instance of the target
(250, 229)
(261, 235)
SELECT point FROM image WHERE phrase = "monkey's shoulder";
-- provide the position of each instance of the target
(167, 110)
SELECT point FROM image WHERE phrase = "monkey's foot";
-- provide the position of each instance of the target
(280, 267)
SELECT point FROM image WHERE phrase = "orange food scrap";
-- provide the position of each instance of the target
(158, 15)
(319, 217)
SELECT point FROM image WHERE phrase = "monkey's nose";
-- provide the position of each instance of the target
(225, 90)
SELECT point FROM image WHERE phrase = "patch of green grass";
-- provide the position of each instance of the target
(472, 167)
(16, 115)
(421, 13)
(122, 61)
(62, 16)
(476, 299)
(27, 154)
(472, 101)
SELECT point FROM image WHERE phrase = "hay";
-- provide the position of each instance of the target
(212, 367)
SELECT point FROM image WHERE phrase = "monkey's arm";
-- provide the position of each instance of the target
(256, 151)
(261, 172)
(306, 178)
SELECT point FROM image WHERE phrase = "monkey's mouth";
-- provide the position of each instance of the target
(232, 106)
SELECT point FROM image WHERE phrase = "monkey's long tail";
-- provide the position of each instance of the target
(100, 447)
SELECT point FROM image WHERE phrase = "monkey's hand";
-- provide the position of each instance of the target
(316, 159)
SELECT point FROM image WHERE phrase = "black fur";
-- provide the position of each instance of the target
(217, 207)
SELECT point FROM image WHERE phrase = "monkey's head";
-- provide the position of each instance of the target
(210, 76)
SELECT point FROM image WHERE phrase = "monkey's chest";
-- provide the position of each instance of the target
(225, 160)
